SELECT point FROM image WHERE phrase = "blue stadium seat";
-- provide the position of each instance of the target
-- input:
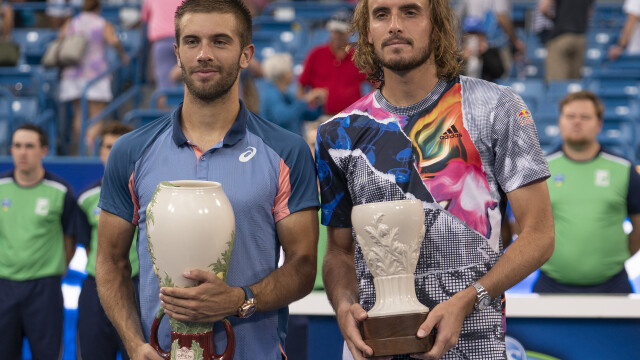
(558, 89)
(33, 43)
(305, 10)
(141, 117)
(175, 95)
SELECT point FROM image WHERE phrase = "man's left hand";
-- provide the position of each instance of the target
(210, 301)
(447, 318)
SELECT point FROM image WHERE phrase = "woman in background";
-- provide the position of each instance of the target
(98, 32)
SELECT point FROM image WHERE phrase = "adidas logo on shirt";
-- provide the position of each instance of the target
(451, 133)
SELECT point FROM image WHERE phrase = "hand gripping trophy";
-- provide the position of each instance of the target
(190, 225)
(390, 235)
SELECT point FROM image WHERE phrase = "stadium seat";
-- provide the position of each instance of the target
(141, 117)
(175, 96)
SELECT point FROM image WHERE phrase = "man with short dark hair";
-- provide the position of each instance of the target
(266, 172)
(462, 146)
(96, 336)
(36, 245)
(592, 192)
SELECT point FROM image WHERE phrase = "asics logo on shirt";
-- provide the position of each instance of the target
(451, 133)
(248, 154)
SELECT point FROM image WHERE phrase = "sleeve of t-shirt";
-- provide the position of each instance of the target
(306, 78)
(518, 157)
(633, 194)
(115, 195)
(632, 7)
(335, 200)
(145, 11)
(70, 213)
(297, 188)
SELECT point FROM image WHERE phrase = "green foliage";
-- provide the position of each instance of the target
(222, 264)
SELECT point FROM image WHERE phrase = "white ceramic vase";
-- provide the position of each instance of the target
(190, 225)
(390, 235)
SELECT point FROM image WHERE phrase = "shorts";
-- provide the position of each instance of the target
(71, 89)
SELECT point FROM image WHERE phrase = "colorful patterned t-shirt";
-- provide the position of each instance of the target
(459, 150)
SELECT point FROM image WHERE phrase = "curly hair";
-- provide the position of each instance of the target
(444, 42)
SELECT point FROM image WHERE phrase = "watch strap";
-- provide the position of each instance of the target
(248, 294)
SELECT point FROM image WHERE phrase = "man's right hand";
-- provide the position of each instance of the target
(145, 352)
(349, 319)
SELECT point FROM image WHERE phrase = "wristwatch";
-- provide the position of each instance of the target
(249, 306)
(483, 300)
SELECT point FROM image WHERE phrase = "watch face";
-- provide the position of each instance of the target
(484, 303)
(248, 310)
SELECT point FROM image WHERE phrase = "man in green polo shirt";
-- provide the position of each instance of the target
(97, 338)
(36, 245)
(592, 192)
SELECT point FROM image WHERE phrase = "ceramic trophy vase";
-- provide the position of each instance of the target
(390, 235)
(190, 225)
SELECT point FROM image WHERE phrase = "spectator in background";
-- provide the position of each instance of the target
(6, 19)
(592, 191)
(98, 32)
(481, 60)
(629, 38)
(330, 66)
(492, 12)
(96, 336)
(568, 40)
(161, 34)
(36, 245)
(278, 105)
(542, 25)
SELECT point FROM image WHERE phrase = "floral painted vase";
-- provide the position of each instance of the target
(190, 225)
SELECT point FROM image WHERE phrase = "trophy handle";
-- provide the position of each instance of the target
(153, 340)
(231, 343)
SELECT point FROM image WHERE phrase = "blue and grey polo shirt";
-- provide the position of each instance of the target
(266, 172)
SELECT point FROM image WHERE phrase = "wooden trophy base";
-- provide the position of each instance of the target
(396, 334)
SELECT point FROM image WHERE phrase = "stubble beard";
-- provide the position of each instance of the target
(405, 64)
(213, 89)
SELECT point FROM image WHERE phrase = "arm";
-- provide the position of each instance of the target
(532, 209)
(113, 277)
(507, 25)
(634, 236)
(214, 299)
(7, 21)
(546, 8)
(616, 50)
(111, 38)
(341, 285)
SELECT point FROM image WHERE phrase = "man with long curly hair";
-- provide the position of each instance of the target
(463, 147)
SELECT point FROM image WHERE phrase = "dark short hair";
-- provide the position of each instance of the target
(115, 128)
(91, 5)
(42, 136)
(584, 95)
(235, 7)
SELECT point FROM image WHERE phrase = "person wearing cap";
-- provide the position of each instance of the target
(330, 66)
(481, 60)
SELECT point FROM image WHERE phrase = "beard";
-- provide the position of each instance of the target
(211, 90)
(403, 64)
